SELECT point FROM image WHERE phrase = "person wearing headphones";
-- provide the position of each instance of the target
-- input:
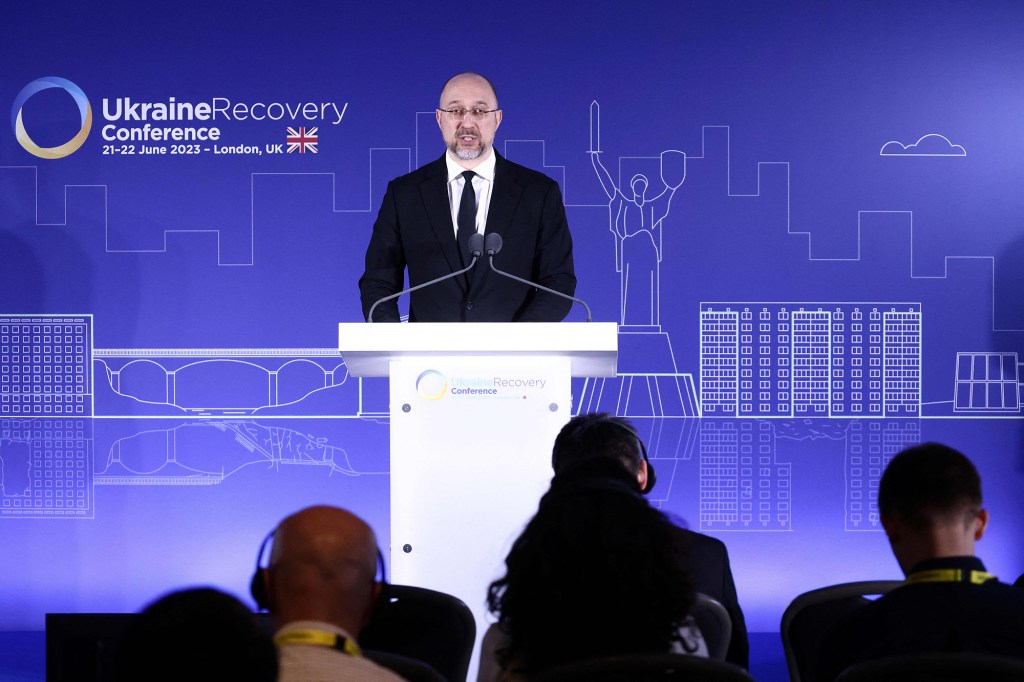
(929, 501)
(602, 436)
(595, 573)
(320, 588)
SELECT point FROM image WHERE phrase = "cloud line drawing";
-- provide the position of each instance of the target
(931, 144)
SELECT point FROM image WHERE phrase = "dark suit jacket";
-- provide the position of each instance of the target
(710, 573)
(414, 230)
(929, 617)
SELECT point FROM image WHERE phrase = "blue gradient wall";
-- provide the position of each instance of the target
(831, 273)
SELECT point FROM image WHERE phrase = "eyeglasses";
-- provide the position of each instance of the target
(458, 113)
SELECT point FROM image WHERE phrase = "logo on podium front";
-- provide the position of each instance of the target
(431, 384)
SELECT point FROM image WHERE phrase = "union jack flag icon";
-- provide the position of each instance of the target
(302, 140)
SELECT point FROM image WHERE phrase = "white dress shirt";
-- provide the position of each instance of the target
(483, 183)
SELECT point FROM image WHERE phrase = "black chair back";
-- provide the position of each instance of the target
(408, 668)
(715, 625)
(812, 614)
(944, 667)
(645, 668)
(426, 625)
(82, 647)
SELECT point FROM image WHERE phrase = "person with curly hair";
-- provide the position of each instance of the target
(596, 572)
(604, 436)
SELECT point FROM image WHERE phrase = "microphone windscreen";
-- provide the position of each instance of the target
(492, 243)
(476, 244)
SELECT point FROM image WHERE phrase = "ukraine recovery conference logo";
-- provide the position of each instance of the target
(431, 384)
(84, 112)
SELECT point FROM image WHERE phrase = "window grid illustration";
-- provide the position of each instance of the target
(987, 382)
(870, 445)
(811, 360)
(742, 486)
(47, 468)
(719, 360)
(45, 366)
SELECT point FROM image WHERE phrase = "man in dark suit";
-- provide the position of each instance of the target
(929, 501)
(603, 436)
(427, 217)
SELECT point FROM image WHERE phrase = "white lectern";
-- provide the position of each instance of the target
(474, 411)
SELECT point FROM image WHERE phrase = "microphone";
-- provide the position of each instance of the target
(476, 245)
(476, 248)
(492, 245)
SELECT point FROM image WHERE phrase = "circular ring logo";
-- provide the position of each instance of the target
(84, 112)
(431, 384)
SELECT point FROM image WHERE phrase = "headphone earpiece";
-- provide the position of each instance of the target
(258, 584)
(385, 587)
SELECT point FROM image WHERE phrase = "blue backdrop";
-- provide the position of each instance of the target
(821, 265)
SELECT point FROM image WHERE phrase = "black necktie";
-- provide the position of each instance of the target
(467, 217)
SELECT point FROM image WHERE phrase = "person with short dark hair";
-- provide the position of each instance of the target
(200, 634)
(930, 504)
(602, 436)
(595, 573)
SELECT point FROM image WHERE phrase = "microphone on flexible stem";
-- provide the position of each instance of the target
(492, 245)
(476, 248)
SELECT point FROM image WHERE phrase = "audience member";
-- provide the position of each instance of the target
(602, 436)
(198, 634)
(320, 588)
(929, 500)
(594, 573)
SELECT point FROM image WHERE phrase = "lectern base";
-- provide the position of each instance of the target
(470, 458)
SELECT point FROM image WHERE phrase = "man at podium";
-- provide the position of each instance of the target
(428, 216)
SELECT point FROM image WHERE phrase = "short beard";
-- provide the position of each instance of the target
(469, 154)
(465, 154)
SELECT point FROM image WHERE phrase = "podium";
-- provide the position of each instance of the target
(474, 410)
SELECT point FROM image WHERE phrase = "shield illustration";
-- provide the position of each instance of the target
(673, 168)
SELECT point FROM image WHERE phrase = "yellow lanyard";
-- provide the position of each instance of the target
(949, 575)
(318, 638)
